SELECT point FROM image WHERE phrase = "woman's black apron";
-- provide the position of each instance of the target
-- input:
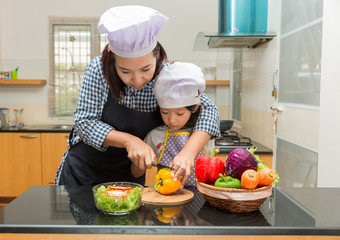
(85, 165)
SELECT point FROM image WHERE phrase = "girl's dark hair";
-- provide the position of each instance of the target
(116, 85)
(194, 116)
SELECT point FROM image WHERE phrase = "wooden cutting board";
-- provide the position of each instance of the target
(150, 196)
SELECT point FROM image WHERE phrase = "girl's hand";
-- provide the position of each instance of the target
(184, 161)
(183, 164)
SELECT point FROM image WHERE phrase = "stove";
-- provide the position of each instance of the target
(230, 140)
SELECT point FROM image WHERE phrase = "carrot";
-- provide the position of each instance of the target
(266, 176)
(249, 179)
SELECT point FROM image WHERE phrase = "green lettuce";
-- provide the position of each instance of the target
(117, 204)
(261, 165)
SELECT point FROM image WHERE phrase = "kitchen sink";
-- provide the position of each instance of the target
(62, 127)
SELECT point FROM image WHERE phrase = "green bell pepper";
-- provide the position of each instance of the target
(227, 182)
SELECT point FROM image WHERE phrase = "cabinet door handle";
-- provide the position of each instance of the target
(28, 136)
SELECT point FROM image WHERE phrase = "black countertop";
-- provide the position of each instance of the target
(260, 149)
(39, 128)
(59, 209)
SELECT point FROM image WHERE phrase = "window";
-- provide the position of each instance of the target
(73, 43)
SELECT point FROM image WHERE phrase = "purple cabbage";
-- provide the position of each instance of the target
(238, 161)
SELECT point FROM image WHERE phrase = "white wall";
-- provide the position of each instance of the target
(24, 39)
(24, 24)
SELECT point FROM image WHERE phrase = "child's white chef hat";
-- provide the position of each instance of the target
(131, 30)
(178, 85)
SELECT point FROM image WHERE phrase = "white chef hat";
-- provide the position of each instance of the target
(178, 85)
(131, 30)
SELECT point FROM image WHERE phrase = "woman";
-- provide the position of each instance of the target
(116, 106)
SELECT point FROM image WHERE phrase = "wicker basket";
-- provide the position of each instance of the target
(234, 200)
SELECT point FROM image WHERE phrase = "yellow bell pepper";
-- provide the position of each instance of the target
(165, 184)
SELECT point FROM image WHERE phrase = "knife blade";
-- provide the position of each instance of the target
(160, 166)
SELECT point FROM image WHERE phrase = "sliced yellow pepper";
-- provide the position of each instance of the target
(165, 184)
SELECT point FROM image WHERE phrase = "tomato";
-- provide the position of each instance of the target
(118, 192)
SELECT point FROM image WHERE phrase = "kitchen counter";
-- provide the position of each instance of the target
(67, 128)
(226, 149)
(260, 149)
(40, 128)
(71, 210)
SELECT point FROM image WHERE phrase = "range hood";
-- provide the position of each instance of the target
(241, 24)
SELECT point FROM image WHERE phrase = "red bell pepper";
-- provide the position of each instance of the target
(208, 168)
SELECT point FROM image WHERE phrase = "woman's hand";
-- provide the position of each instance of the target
(183, 163)
(140, 153)
(135, 171)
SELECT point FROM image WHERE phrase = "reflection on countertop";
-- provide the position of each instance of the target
(62, 209)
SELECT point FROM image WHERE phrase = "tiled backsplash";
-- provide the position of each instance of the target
(37, 114)
(34, 114)
(258, 67)
(258, 126)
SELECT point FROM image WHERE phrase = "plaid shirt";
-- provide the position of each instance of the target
(93, 95)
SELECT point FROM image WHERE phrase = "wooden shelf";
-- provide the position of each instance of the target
(22, 82)
(217, 82)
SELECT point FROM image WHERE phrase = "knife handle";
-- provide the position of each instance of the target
(154, 164)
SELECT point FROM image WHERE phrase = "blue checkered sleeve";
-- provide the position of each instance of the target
(209, 118)
(92, 97)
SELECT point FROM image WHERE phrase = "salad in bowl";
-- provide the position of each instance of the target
(117, 198)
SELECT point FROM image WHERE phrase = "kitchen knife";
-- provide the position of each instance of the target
(160, 166)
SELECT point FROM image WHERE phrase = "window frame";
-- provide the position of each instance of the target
(94, 51)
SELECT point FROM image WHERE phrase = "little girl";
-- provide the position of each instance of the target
(177, 89)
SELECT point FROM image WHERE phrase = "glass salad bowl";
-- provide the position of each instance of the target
(117, 198)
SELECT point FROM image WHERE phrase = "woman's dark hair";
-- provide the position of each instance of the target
(116, 85)
(194, 116)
